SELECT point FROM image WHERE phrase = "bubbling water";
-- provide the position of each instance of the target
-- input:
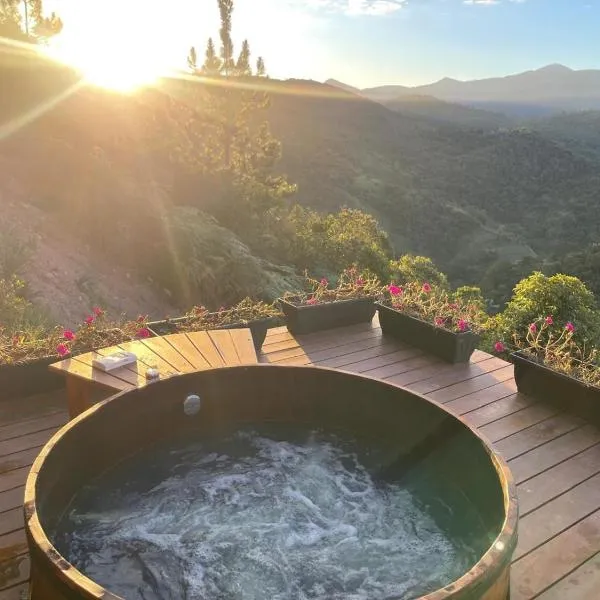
(250, 517)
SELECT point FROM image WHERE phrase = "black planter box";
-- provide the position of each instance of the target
(258, 328)
(306, 318)
(453, 347)
(547, 385)
(17, 381)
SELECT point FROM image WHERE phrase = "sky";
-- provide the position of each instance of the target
(360, 42)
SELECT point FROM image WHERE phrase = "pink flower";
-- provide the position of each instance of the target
(439, 321)
(394, 290)
(453, 306)
(144, 332)
(570, 327)
(462, 325)
(62, 350)
(426, 288)
(324, 282)
(499, 347)
(68, 335)
(142, 318)
(533, 328)
(97, 311)
(548, 320)
(312, 300)
(222, 309)
(360, 282)
(89, 320)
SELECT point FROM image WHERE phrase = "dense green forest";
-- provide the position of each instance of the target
(226, 183)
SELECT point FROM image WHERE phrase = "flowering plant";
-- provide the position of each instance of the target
(200, 318)
(351, 284)
(553, 345)
(454, 311)
(96, 331)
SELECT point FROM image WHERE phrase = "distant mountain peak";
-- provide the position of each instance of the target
(556, 68)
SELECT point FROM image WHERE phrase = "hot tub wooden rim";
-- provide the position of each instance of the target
(488, 569)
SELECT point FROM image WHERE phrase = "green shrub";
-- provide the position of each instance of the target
(416, 268)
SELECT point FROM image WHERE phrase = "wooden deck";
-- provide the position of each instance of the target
(555, 457)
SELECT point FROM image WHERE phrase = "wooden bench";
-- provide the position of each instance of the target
(172, 355)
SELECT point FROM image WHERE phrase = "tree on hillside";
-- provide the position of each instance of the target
(239, 149)
(24, 20)
(192, 60)
(260, 67)
(212, 63)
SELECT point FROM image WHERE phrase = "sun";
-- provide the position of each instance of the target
(111, 46)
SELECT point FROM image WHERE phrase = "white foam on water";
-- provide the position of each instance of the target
(276, 520)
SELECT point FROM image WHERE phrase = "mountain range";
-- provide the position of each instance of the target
(541, 92)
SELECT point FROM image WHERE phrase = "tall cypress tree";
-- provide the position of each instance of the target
(242, 67)
(260, 67)
(225, 11)
(192, 60)
(212, 63)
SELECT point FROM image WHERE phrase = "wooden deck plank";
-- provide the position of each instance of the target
(557, 515)
(551, 483)
(537, 571)
(20, 428)
(497, 410)
(35, 407)
(244, 345)
(14, 572)
(224, 344)
(162, 347)
(18, 592)
(189, 350)
(519, 421)
(84, 370)
(11, 520)
(537, 435)
(147, 357)
(555, 457)
(550, 454)
(581, 584)
(207, 349)
(12, 544)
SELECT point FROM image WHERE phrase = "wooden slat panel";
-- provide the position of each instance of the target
(11, 520)
(558, 515)
(537, 435)
(392, 358)
(463, 404)
(543, 487)
(25, 427)
(205, 346)
(224, 344)
(555, 559)
(581, 584)
(412, 364)
(162, 347)
(187, 349)
(13, 479)
(82, 369)
(358, 356)
(518, 421)
(147, 357)
(244, 345)
(543, 457)
(321, 343)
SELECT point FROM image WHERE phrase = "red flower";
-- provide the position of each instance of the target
(533, 328)
(499, 347)
(68, 335)
(144, 332)
(311, 300)
(462, 325)
(62, 350)
(439, 321)
(394, 290)
(548, 320)
(142, 318)
(360, 282)
(570, 327)
(97, 311)
(324, 282)
(426, 288)
(89, 320)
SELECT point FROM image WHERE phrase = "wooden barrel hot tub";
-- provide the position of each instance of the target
(406, 431)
